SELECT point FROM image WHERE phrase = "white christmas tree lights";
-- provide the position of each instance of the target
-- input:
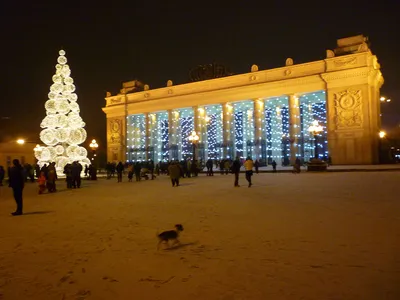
(63, 130)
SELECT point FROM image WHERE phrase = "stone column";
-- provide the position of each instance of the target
(173, 120)
(116, 130)
(259, 128)
(203, 131)
(116, 139)
(197, 128)
(294, 126)
(151, 122)
(171, 132)
(153, 138)
(227, 119)
(147, 136)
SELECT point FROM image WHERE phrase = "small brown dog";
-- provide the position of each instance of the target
(168, 235)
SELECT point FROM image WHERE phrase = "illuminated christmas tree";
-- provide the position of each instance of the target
(63, 130)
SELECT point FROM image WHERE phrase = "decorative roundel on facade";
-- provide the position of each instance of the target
(253, 77)
(170, 91)
(347, 101)
(146, 95)
(288, 72)
(115, 126)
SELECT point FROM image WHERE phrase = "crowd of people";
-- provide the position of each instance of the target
(46, 177)
(186, 168)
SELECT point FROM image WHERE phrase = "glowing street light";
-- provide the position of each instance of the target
(383, 99)
(315, 129)
(93, 145)
(194, 139)
(382, 134)
(21, 141)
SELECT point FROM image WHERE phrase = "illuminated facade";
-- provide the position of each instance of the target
(262, 114)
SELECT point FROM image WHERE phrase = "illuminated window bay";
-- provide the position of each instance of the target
(277, 130)
(186, 126)
(313, 108)
(244, 128)
(213, 121)
(136, 138)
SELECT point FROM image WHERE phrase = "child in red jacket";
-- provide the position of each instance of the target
(42, 183)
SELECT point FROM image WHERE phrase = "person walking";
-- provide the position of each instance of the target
(174, 170)
(274, 166)
(236, 170)
(150, 166)
(2, 175)
(137, 168)
(248, 165)
(297, 166)
(130, 172)
(209, 165)
(51, 178)
(42, 183)
(120, 169)
(256, 165)
(16, 182)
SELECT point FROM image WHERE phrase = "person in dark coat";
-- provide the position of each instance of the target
(274, 166)
(296, 166)
(45, 170)
(92, 172)
(2, 174)
(256, 165)
(68, 175)
(76, 170)
(174, 171)
(37, 171)
(210, 165)
(221, 166)
(137, 168)
(51, 178)
(120, 169)
(151, 169)
(236, 170)
(16, 182)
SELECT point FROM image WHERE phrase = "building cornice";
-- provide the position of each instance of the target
(301, 78)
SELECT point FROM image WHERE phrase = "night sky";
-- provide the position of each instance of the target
(154, 41)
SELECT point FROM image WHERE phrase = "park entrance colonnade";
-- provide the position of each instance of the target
(262, 114)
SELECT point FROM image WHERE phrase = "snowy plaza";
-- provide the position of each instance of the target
(307, 236)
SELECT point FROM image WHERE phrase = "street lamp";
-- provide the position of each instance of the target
(194, 139)
(93, 145)
(384, 99)
(21, 141)
(382, 134)
(315, 129)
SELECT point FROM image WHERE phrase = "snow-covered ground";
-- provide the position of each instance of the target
(307, 236)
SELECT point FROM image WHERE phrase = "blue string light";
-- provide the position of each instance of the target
(187, 126)
(239, 133)
(312, 106)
